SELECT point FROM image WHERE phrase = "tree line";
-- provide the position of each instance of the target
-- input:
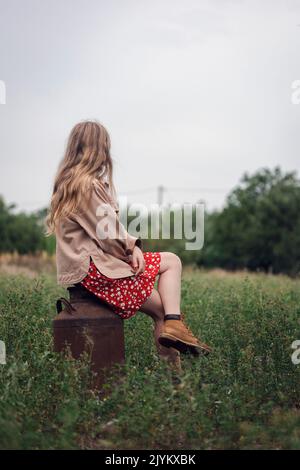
(257, 229)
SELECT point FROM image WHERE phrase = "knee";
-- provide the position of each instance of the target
(176, 261)
(172, 260)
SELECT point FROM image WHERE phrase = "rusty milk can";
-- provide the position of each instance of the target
(86, 323)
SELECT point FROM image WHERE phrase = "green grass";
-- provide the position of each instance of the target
(245, 395)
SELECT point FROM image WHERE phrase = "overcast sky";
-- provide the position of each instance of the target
(193, 92)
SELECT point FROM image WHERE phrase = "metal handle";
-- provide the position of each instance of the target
(69, 307)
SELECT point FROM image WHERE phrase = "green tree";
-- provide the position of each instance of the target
(20, 232)
(259, 228)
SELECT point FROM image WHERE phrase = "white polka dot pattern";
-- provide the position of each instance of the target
(126, 295)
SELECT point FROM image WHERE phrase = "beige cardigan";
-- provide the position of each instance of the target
(82, 236)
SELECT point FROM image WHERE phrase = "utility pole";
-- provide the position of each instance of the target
(160, 195)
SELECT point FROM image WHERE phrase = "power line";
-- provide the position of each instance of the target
(211, 190)
(160, 190)
(165, 188)
(138, 191)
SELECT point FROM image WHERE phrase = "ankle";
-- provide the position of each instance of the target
(172, 316)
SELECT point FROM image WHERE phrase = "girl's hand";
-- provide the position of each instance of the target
(137, 260)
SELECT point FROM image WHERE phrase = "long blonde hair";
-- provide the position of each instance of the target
(87, 157)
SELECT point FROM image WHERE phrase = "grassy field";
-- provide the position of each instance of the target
(245, 395)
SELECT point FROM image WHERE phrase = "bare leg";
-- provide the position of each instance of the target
(169, 283)
(167, 301)
(154, 308)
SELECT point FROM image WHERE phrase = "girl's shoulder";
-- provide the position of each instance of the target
(102, 188)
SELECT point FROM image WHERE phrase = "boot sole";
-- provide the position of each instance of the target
(184, 347)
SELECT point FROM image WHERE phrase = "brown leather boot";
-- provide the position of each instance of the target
(178, 335)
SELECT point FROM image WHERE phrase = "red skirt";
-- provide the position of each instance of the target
(125, 295)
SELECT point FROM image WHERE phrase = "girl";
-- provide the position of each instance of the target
(114, 267)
